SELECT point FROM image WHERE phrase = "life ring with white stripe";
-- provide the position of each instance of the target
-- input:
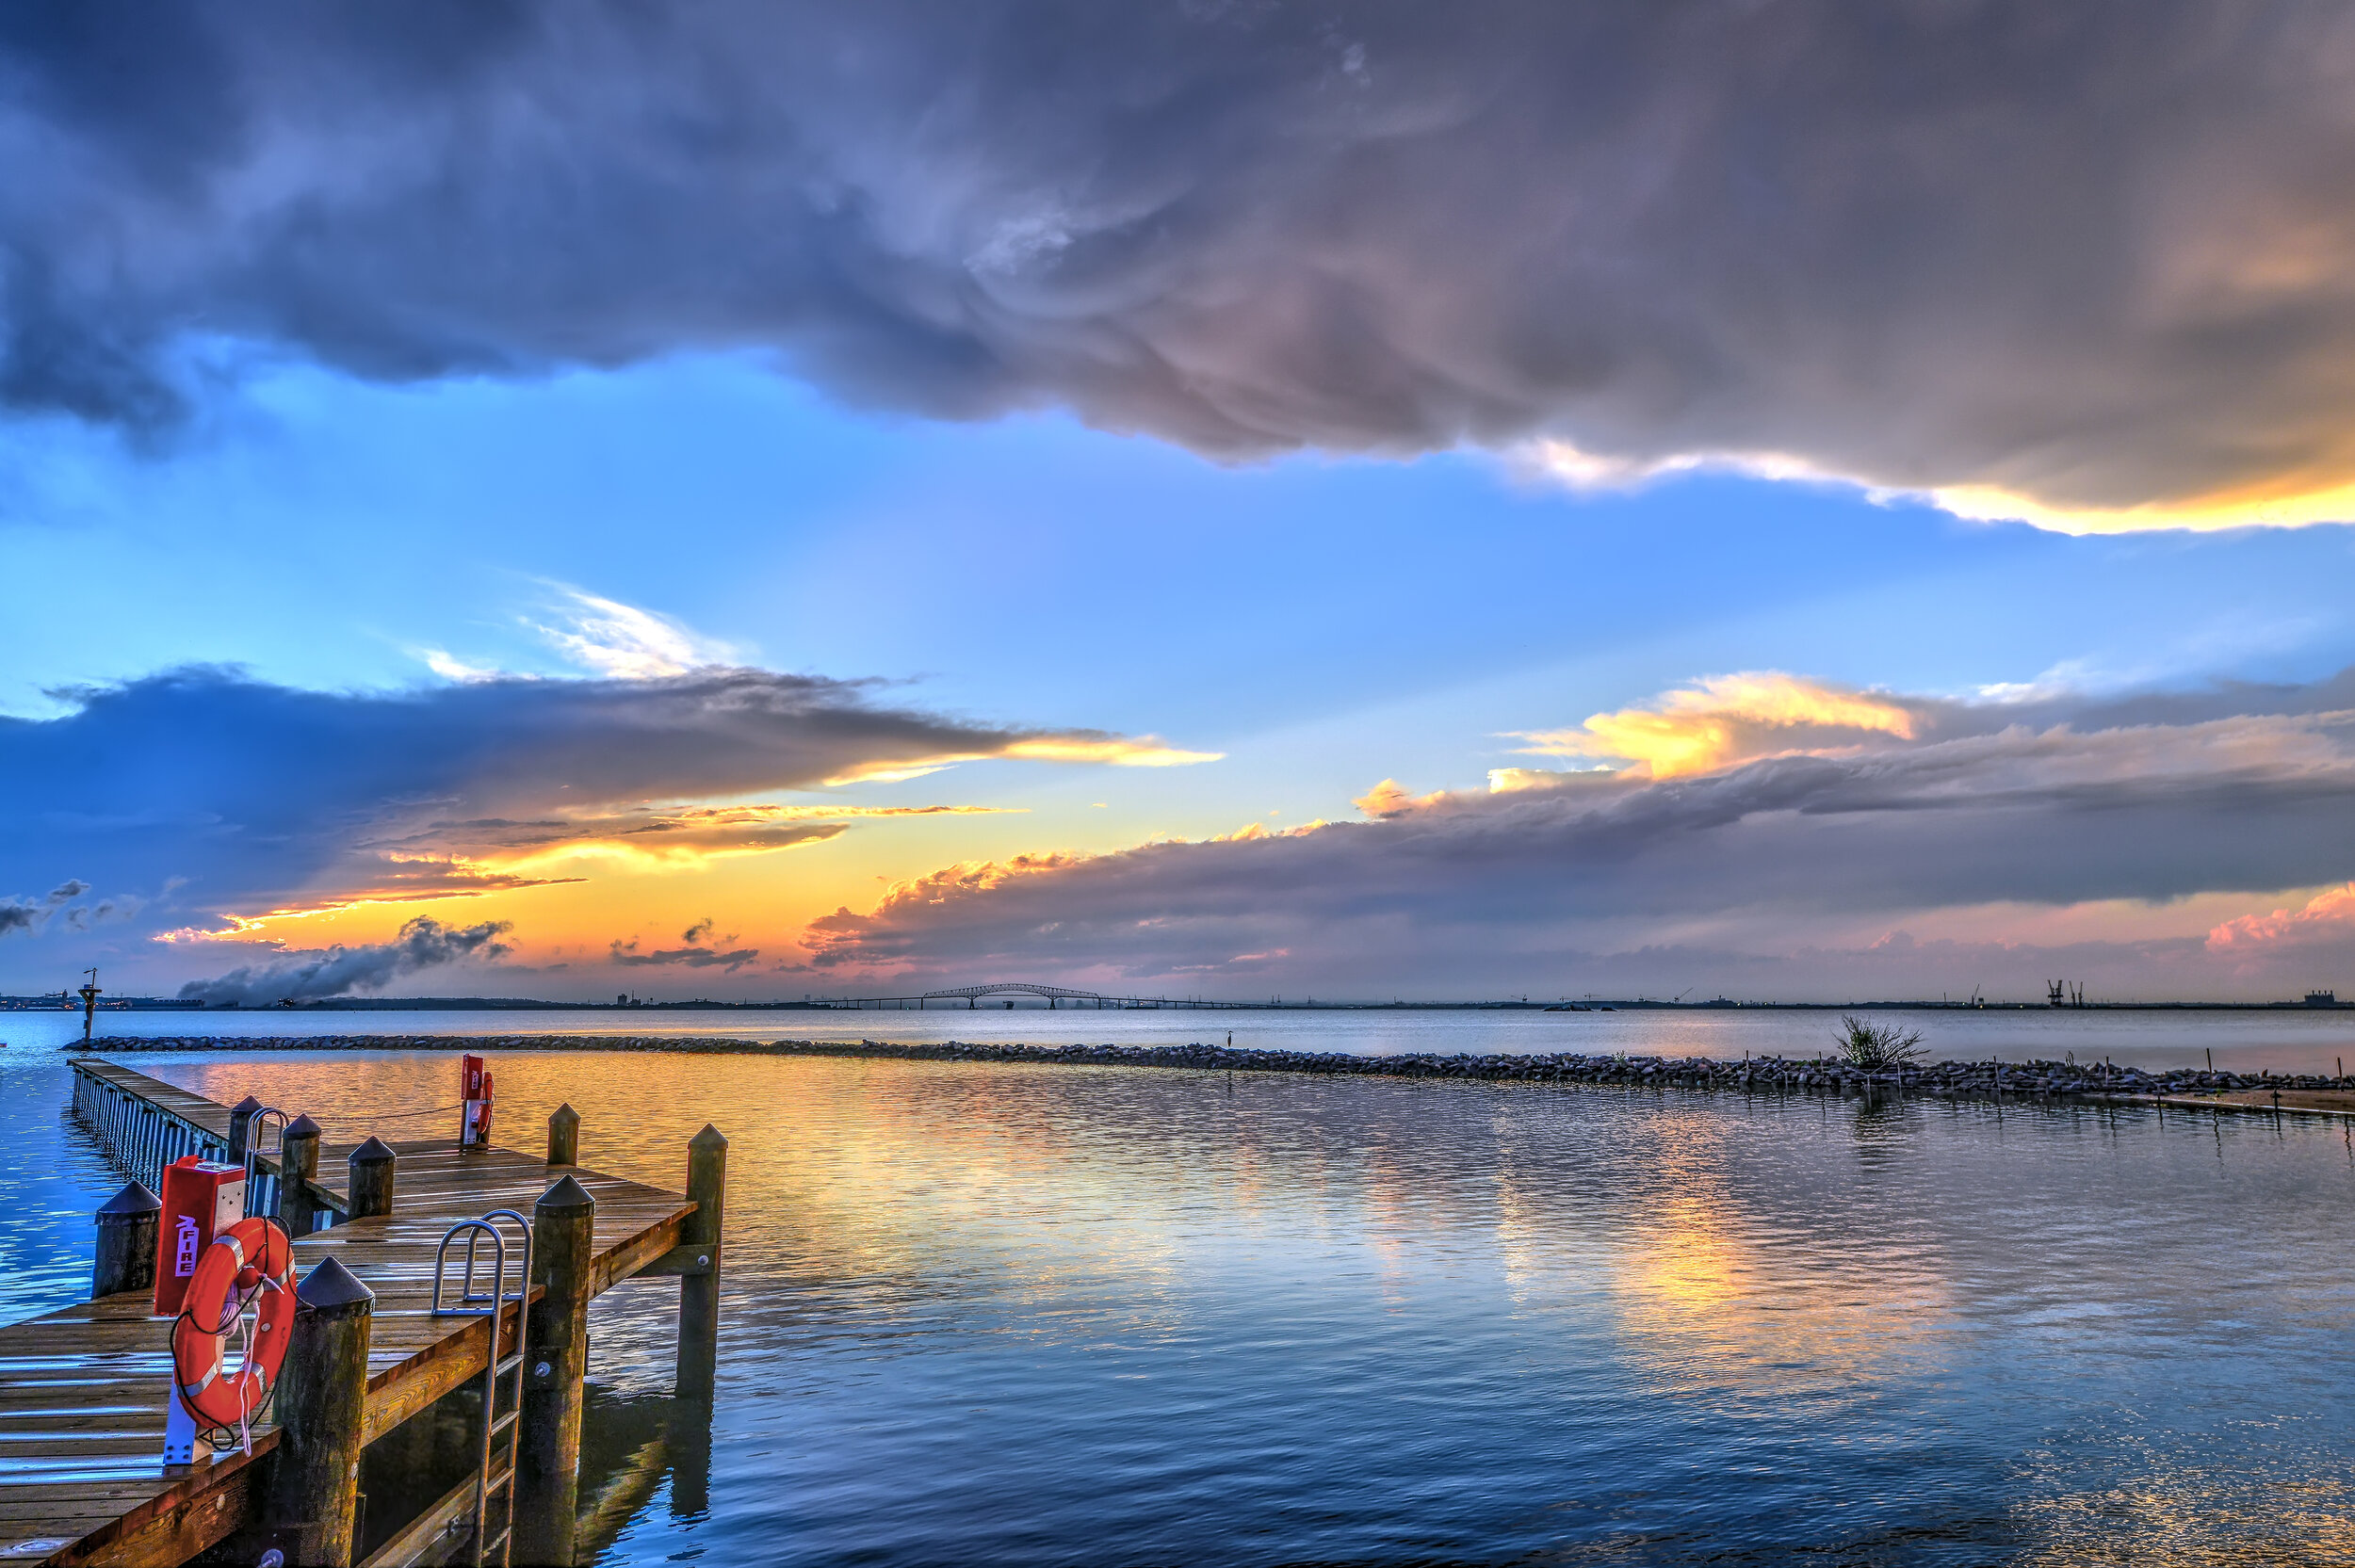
(253, 1259)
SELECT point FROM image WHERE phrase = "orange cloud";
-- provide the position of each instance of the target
(1111, 750)
(1390, 799)
(487, 855)
(651, 837)
(396, 878)
(1726, 719)
(2327, 913)
(1250, 830)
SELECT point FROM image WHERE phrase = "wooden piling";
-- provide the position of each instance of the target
(370, 1187)
(699, 1291)
(565, 1137)
(322, 1394)
(125, 1259)
(690, 1441)
(547, 1482)
(241, 1127)
(297, 1168)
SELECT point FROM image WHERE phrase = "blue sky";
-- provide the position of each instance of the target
(782, 499)
(1322, 623)
(323, 531)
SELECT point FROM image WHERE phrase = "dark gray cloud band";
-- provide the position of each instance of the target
(246, 796)
(2149, 800)
(2097, 254)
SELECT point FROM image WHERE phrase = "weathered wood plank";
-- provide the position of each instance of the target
(189, 1518)
(690, 1261)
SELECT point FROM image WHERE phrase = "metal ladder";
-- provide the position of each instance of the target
(490, 1547)
(253, 1128)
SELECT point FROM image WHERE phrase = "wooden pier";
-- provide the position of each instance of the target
(83, 1390)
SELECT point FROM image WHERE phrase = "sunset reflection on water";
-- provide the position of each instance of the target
(1107, 1315)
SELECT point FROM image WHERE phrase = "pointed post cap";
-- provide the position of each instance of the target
(246, 1106)
(333, 1290)
(710, 1138)
(131, 1200)
(565, 1195)
(374, 1152)
(303, 1126)
(564, 1113)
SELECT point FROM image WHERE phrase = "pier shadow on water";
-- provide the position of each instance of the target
(637, 1450)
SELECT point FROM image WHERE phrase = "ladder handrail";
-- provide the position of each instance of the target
(477, 1229)
(253, 1126)
(493, 1306)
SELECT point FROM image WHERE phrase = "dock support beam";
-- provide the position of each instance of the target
(565, 1137)
(322, 1395)
(297, 1167)
(127, 1243)
(371, 1179)
(699, 1293)
(563, 1244)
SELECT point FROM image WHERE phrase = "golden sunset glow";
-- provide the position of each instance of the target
(2327, 500)
(2320, 495)
(1725, 719)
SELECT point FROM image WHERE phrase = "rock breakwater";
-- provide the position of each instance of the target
(1822, 1075)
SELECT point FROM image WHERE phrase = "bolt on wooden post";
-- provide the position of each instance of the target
(547, 1482)
(565, 1137)
(125, 1258)
(322, 1395)
(371, 1180)
(297, 1168)
(699, 1292)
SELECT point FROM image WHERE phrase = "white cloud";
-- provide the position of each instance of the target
(624, 643)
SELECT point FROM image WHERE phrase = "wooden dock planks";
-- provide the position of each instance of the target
(83, 1389)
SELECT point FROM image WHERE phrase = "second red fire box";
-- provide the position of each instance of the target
(201, 1201)
(474, 1130)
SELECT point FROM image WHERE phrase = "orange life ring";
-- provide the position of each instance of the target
(252, 1258)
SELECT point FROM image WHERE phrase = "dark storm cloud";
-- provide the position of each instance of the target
(2239, 790)
(307, 975)
(2095, 253)
(694, 956)
(28, 914)
(253, 796)
(700, 952)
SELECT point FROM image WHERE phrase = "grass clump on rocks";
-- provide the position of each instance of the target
(1877, 1047)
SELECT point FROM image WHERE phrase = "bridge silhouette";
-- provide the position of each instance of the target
(1054, 996)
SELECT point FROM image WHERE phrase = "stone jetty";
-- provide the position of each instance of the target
(1822, 1075)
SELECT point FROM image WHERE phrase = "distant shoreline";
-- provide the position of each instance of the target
(514, 1004)
(1994, 1079)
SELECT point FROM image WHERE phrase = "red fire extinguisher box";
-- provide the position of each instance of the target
(201, 1201)
(474, 1128)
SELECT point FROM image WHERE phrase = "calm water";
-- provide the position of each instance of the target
(1005, 1314)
